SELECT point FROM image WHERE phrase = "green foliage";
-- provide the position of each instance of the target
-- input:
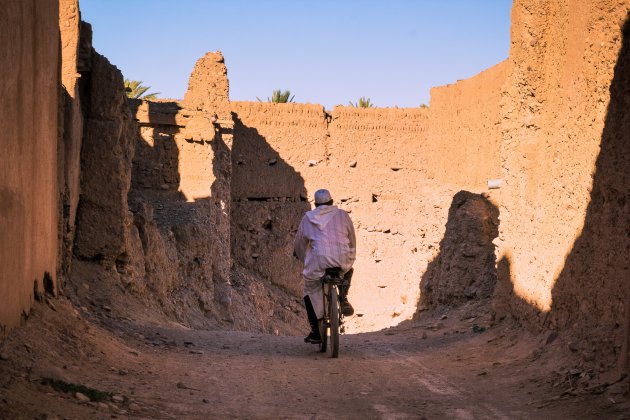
(363, 102)
(135, 90)
(279, 97)
(424, 106)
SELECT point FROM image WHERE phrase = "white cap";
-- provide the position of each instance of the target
(322, 196)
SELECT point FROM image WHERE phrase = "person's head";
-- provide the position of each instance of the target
(323, 198)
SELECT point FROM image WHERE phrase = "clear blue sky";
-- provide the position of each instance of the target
(325, 51)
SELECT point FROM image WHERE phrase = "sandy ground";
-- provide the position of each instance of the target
(436, 367)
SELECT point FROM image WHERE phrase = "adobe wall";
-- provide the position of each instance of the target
(29, 98)
(273, 144)
(564, 211)
(378, 170)
(373, 161)
(465, 133)
(180, 199)
(74, 61)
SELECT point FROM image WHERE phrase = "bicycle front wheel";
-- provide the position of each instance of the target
(334, 323)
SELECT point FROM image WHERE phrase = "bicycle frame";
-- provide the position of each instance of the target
(333, 316)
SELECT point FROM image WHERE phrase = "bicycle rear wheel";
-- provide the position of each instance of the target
(334, 322)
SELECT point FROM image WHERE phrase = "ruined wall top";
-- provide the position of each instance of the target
(208, 86)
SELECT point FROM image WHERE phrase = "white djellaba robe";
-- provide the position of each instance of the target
(325, 239)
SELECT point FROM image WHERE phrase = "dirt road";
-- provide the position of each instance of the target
(434, 368)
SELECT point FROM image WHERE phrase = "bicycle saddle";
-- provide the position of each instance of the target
(333, 272)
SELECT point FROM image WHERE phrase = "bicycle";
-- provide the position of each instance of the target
(333, 316)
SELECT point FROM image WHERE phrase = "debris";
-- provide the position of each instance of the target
(312, 162)
(81, 397)
(353, 164)
(119, 399)
(573, 346)
(551, 337)
(477, 329)
(181, 385)
(51, 305)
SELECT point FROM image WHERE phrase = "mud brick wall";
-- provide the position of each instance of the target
(29, 86)
(464, 132)
(372, 160)
(564, 212)
(377, 171)
(279, 152)
(180, 198)
(74, 53)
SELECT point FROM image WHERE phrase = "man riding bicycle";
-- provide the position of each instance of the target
(325, 239)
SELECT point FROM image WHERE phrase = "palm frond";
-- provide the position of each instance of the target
(134, 89)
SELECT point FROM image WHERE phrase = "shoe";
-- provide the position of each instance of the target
(346, 308)
(313, 338)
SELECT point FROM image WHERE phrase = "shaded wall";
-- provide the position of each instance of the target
(554, 108)
(177, 199)
(592, 293)
(75, 53)
(273, 144)
(29, 99)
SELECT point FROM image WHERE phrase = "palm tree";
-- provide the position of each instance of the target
(279, 97)
(363, 102)
(135, 90)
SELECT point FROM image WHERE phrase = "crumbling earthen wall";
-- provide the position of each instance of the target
(564, 212)
(103, 219)
(273, 145)
(74, 60)
(464, 130)
(29, 99)
(373, 161)
(180, 198)
(176, 199)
